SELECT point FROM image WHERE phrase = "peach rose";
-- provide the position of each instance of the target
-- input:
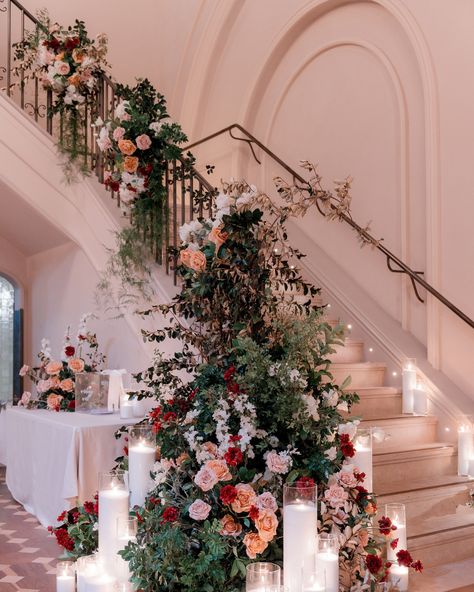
(184, 456)
(363, 537)
(118, 133)
(278, 463)
(54, 401)
(67, 385)
(185, 257)
(371, 508)
(78, 55)
(266, 501)
(60, 56)
(254, 545)
(266, 524)
(75, 79)
(230, 527)
(54, 382)
(62, 68)
(205, 479)
(197, 261)
(220, 468)
(199, 510)
(76, 365)
(245, 499)
(126, 147)
(143, 142)
(218, 237)
(130, 164)
(210, 448)
(54, 367)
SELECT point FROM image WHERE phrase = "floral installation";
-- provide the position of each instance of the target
(55, 379)
(66, 61)
(78, 532)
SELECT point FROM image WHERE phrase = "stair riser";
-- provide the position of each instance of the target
(360, 377)
(378, 406)
(350, 353)
(424, 504)
(404, 433)
(388, 471)
(443, 547)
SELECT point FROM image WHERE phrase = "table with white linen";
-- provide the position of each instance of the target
(54, 458)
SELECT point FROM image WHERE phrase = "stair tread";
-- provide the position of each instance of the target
(444, 523)
(419, 484)
(456, 576)
(359, 365)
(414, 448)
(410, 418)
(376, 390)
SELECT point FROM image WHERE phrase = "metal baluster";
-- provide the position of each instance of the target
(9, 46)
(36, 100)
(183, 195)
(49, 115)
(200, 201)
(22, 74)
(191, 196)
(86, 126)
(175, 221)
(166, 221)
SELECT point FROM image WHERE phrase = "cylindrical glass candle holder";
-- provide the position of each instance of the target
(127, 527)
(86, 567)
(465, 445)
(420, 399)
(398, 578)
(327, 562)
(113, 502)
(65, 576)
(300, 518)
(262, 577)
(408, 384)
(362, 459)
(141, 458)
(396, 513)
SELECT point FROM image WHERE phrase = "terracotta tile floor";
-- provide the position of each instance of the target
(28, 553)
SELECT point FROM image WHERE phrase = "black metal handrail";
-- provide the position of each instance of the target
(188, 193)
(391, 258)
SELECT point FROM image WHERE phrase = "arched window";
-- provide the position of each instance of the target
(7, 339)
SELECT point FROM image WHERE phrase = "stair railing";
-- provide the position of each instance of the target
(188, 193)
(394, 263)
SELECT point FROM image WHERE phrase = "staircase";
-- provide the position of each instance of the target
(412, 467)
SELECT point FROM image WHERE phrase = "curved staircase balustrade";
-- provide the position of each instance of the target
(391, 259)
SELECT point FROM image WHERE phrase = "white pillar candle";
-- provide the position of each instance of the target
(299, 541)
(362, 460)
(327, 570)
(112, 504)
(420, 400)
(126, 407)
(470, 468)
(465, 449)
(399, 577)
(141, 459)
(65, 577)
(100, 583)
(408, 384)
(401, 535)
(86, 568)
(139, 408)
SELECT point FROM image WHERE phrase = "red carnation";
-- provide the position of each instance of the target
(235, 438)
(63, 539)
(52, 43)
(89, 507)
(156, 427)
(233, 456)
(347, 448)
(253, 513)
(373, 563)
(193, 394)
(359, 476)
(125, 450)
(304, 482)
(61, 516)
(155, 413)
(169, 416)
(228, 494)
(394, 544)
(361, 492)
(75, 517)
(404, 558)
(417, 566)
(386, 526)
(170, 515)
(229, 373)
(72, 43)
(69, 350)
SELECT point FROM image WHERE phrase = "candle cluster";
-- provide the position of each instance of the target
(414, 392)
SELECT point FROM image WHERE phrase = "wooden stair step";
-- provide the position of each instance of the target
(404, 429)
(363, 374)
(457, 576)
(352, 352)
(381, 401)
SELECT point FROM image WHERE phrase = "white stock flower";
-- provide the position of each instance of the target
(331, 453)
(331, 398)
(155, 126)
(349, 428)
(312, 406)
(223, 203)
(120, 111)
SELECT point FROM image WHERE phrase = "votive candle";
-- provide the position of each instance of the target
(327, 562)
(408, 384)
(86, 567)
(399, 577)
(65, 577)
(396, 513)
(141, 458)
(465, 448)
(362, 459)
(420, 399)
(113, 502)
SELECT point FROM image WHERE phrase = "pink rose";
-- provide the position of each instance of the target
(278, 463)
(53, 367)
(43, 386)
(24, 370)
(210, 448)
(62, 68)
(347, 479)
(118, 133)
(66, 385)
(199, 510)
(76, 365)
(143, 142)
(266, 501)
(335, 496)
(205, 479)
(25, 399)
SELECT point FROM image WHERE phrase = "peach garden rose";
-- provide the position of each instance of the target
(254, 545)
(53, 401)
(197, 261)
(246, 498)
(76, 365)
(218, 237)
(230, 527)
(53, 367)
(67, 385)
(130, 164)
(220, 468)
(266, 524)
(126, 147)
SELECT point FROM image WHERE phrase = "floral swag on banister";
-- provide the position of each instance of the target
(247, 405)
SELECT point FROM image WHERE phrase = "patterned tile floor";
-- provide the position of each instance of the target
(28, 553)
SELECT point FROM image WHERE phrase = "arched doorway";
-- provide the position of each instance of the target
(11, 341)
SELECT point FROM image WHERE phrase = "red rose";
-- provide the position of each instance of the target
(386, 526)
(170, 515)
(71, 404)
(373, 563)
(233, 456)
(52, 43)
(228, 494)
(394, 544)
(361, 492)
(89, 507)
(229, 373)
(69, 350)
(359, 476)
(417, 566)
(169, 416)
(63, 539)
(72, 43)
(404, 558)
(155, 413)
(156, 427)
(253, 513)
(61, 516)
(347, 448)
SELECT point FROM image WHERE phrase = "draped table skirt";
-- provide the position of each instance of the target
(53, 459)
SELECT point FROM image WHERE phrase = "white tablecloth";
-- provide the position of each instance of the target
(53, 458)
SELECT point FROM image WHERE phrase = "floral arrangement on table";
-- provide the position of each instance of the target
(55, 379)
(77, 533)
(70, 64)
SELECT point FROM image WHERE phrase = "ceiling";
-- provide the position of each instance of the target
(23, 227)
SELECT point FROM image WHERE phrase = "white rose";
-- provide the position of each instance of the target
(331, 398)
(331, 453)
(223, 203)
(312, 406)
(349, 428)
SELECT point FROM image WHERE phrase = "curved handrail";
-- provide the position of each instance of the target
(391, 258)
